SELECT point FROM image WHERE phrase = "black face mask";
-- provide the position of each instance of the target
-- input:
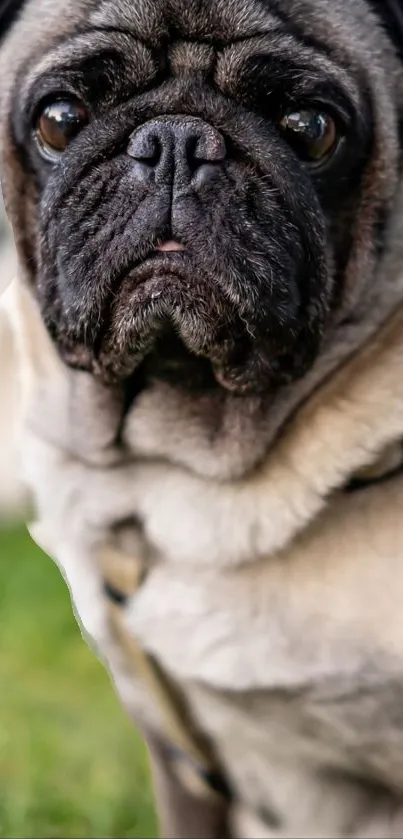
(9, 10)
(391, 14)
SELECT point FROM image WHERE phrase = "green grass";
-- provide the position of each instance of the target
(71, 765)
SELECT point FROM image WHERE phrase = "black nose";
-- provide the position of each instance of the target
(183, 151)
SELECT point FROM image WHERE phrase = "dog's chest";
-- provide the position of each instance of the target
(299, 712)
(300, 706)
(293, 666)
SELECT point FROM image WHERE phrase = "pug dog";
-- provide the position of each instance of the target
(206, 199)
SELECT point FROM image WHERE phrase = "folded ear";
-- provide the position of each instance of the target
(391, 14)
(37, 354)
(69, 408)
(9, 11)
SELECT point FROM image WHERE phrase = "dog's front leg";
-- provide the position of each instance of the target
(181, 814)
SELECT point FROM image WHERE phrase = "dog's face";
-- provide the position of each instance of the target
(202, 180)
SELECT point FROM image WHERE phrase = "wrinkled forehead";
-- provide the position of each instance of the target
(151, 21)
(46, 32)
(47, 23)
(206, 20)
(52, 32)
(229, 20)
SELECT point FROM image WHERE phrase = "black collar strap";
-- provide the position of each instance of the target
(389, 465)
(390, 13)
(9, 11)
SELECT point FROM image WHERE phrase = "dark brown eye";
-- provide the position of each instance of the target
(313, 134)
(58, 123)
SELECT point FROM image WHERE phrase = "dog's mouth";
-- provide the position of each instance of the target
(188, 311)
(160, 260)
(160, 325)
(171, 321)
(191, 359)
(170, 361)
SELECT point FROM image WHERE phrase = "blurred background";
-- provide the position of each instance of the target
(71, 764)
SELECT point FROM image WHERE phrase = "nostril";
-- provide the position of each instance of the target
(210, 147)
(191, 152)
(146, 147)
(179, 150)
(203, 151)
